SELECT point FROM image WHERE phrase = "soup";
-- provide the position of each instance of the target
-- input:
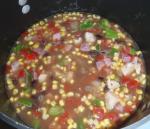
(75, 71)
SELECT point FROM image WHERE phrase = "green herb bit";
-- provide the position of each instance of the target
(111, 34)
(25, 102)
(86, 24)
(104, 24)
(28, 78)
(97, 47)
(80, 124)
(96, 102)
(62, 62)
(132, 51)
(112, 52)
(56, 110)
(36, 124)
(18, 47)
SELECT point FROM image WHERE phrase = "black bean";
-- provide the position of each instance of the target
(98, 36)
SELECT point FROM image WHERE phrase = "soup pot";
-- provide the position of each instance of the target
(133, 16)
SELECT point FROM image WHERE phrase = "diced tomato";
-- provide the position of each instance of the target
(67, 87)
(63, 118)
(112, 116)
(104, 71)
(21, 73)
(55, 29)
(99, 111)
(73, 102)
(36, 113)
(31, 56)
(94, 30)
(128, 109)
(99, 57)
(105, 44)
(51, 24)
(25, 33)
(7, 69)
(131, 83)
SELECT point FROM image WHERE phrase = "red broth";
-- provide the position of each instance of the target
(75, 71)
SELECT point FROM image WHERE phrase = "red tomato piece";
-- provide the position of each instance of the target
(67, 87)
(105, 44)
(126, 50)
(72, 102)
(112, 116)
(21, 73)
(63, 118)
(55, 29)
(36, 113)
(128, 109)
(31, 56)
(24, 52)
(94, 30)
(24, 34)
(99, 111)
(131, 83)
(99, 57)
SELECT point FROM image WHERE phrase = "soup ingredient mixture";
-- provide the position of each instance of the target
(75, 71)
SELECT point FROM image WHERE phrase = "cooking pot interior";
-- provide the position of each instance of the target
(133, 16)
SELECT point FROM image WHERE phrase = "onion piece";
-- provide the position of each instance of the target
(112, 84)
(57, 36)
(89, 37)
(40, 51)
(42, 77)
(111, 100)
(100, 65)
(15, 66)
(85, 47)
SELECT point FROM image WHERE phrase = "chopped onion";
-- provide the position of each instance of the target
(57, 36)
(99, 65)
(89, 37)
(112, 84)
(68, 47)
(85, 47)
(15, 66)
(119, 107)
(111, 100)
(40, 51)
(108, 61)
(78, 40)
(42, 77)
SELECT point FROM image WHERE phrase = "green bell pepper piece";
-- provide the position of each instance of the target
(86, 24)
(36, 124)
(18, 47)
(132, 51)
(80, 124)
(104, 24)
(97, 47)
(56, 110)
(96, 102)
(25, 102)
(112, 52)
(28, 78)
(111, 34)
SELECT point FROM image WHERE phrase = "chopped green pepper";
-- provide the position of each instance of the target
(56, 110)
(86, 24)
(104, 24)
(112, 52)
(62, 62)
(25, 102)
(97, 47)
(132, 51)
(36, 124)
(27, 89)
(18, 47)
(96, 102)
(28, 78)
(80, 124)
(111, 34)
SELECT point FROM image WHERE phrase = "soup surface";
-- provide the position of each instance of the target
(75, 71)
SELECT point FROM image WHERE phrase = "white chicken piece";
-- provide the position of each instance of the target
(112, 84)
(42, 77)
(89, 37)
(111, 100)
